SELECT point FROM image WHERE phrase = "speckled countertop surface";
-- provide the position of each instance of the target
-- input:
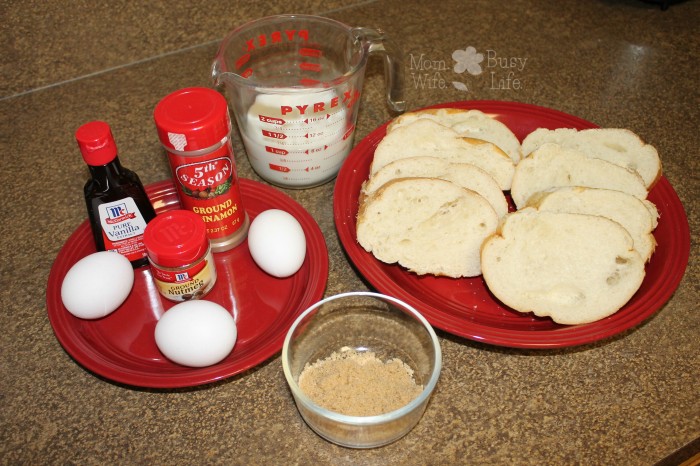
(630, 399)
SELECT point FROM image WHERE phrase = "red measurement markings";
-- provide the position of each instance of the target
(318, 118)
(306, 66)
(308, 52)
(279, 168)
(273, 134)
(316, 149)
(242, 60)
(276, 150)
(348, 132)
(271, 120)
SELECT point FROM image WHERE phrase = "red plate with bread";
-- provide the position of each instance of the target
(464, 306)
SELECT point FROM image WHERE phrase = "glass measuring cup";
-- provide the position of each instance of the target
(294, 83)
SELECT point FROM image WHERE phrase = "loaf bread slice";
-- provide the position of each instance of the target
(425, 137)
(638, 216)
(553, 166)
(429, 226)
(619, 146)
(573, 268)
(470, 123)
(465, 175)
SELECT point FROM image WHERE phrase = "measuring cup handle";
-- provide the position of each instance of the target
(216, 72)
(376, 41)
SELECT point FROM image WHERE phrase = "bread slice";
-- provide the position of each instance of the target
(427, 225)
(465, 175)
(639, 217)
(553, 166)
(468, 123)
(425, 137)
(573, 268)
(619, 146)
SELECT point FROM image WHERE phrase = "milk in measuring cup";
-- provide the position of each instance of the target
(299, 139)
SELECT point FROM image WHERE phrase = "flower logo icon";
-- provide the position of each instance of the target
(467, 60)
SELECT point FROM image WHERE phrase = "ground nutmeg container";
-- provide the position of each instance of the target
(180, 255)
(194, 126)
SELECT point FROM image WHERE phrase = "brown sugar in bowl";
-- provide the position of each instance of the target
(353, 341)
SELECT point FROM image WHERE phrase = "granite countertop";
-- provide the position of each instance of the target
(628, 399)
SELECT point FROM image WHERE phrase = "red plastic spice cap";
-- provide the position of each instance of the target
(176, 238)
(96, 143)
(192, 118)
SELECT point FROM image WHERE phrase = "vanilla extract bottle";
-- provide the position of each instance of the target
(117, 204)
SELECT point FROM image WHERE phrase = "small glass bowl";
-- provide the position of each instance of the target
(363, 321)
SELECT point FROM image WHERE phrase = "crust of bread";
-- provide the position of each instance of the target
(463, 174)
(553, 166)
(425, 137)
(398, 121)
(573, 268)
(469, 123)
(616, 145)
(427, 225)
(638, 216)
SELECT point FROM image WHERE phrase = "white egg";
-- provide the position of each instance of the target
(277, 243)
(196, 333)
(97, 285)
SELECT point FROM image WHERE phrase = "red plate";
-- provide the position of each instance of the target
(464, 307)
(121, 346)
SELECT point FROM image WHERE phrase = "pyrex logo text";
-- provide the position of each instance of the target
(276, 37)
(262, 40)
(349, 98)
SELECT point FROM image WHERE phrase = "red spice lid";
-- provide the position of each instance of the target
(96, 143)
(192, 118)
(176, 238)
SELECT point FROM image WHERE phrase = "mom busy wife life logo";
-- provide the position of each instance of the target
(498, 72)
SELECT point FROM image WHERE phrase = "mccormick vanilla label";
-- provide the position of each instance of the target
(123, 227)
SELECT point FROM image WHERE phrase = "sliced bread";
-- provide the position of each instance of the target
(429, 226)
(638, 216)
(463, 174)
(468, 123)
(425, 137)
(573, 268)
(553, 166)
(619, 146)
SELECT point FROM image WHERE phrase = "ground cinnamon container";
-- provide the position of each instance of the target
(194, 126)
(180, 255)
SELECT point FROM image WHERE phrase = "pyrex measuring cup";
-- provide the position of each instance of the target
(294, 83)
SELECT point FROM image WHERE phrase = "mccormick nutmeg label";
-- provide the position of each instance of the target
(186, 283)
(208, 186)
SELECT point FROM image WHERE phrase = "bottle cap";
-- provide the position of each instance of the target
(191, 119)
(176, 238)
(96, 143)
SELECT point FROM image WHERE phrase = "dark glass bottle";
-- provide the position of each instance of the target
(117, 204)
